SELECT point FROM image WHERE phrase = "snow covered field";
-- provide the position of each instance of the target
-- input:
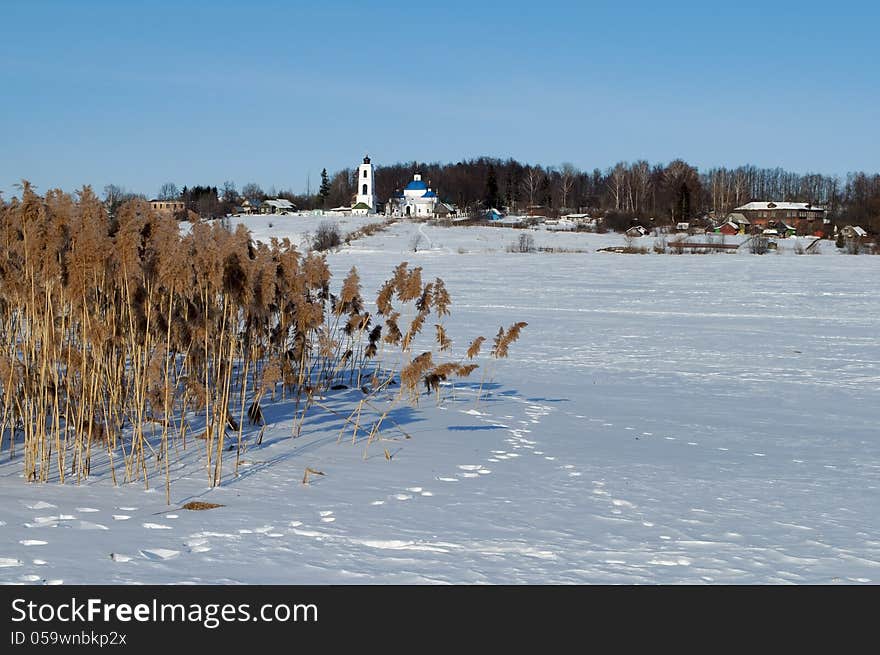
(663, 419)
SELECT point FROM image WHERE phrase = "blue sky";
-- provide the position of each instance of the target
(138, 94)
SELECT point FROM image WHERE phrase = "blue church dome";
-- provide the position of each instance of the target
(429, 194)
(416, 185)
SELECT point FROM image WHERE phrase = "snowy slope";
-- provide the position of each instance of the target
(663, 419)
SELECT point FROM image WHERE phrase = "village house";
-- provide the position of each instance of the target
(250, 207)
(853, 232)
(168, 206)
(445, 210)
(277, 206)
(803, 217)
(742, 223)
(728, 228)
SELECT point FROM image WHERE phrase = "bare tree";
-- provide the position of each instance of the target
(230, 194)
(252, 192)
(115, 195)
(168, 191)
(532, 182)
(639, 184)
(567, 177)
(616, 181)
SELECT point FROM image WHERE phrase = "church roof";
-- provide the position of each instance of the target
(429, 194)
(416, 185)
(361, 205)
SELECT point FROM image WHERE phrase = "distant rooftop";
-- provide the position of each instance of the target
(753, 206)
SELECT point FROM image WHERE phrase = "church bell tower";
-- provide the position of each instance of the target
(365, 191)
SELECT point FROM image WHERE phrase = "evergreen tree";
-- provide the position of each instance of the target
(491, 188)
(324, 191)
(684, 202)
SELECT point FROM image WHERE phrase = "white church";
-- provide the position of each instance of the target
(417, 199)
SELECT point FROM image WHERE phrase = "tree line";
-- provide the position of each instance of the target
(628, 192)
(624, 193)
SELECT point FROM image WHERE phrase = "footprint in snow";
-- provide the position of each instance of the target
(470, 467)
(378, 502)
(403, 497)
(119, 557)
(41, 505)
(199, 545)
(159, 554)
(121, 517)
(415, 490)
(445, 479)
(156, 526)
(326, 512)
(87, 509)
(33, 542)
(677, 561)
(6, 562)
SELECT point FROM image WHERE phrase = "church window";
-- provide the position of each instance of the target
(365, 172)
(365, 190)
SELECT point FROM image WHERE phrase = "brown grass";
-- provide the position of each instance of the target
(124, 336)
(197, 505)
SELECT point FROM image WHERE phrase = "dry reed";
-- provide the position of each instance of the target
(124, 336)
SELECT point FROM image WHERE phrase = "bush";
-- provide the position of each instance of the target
(525, 243)
(326, 237)
(759, 245)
